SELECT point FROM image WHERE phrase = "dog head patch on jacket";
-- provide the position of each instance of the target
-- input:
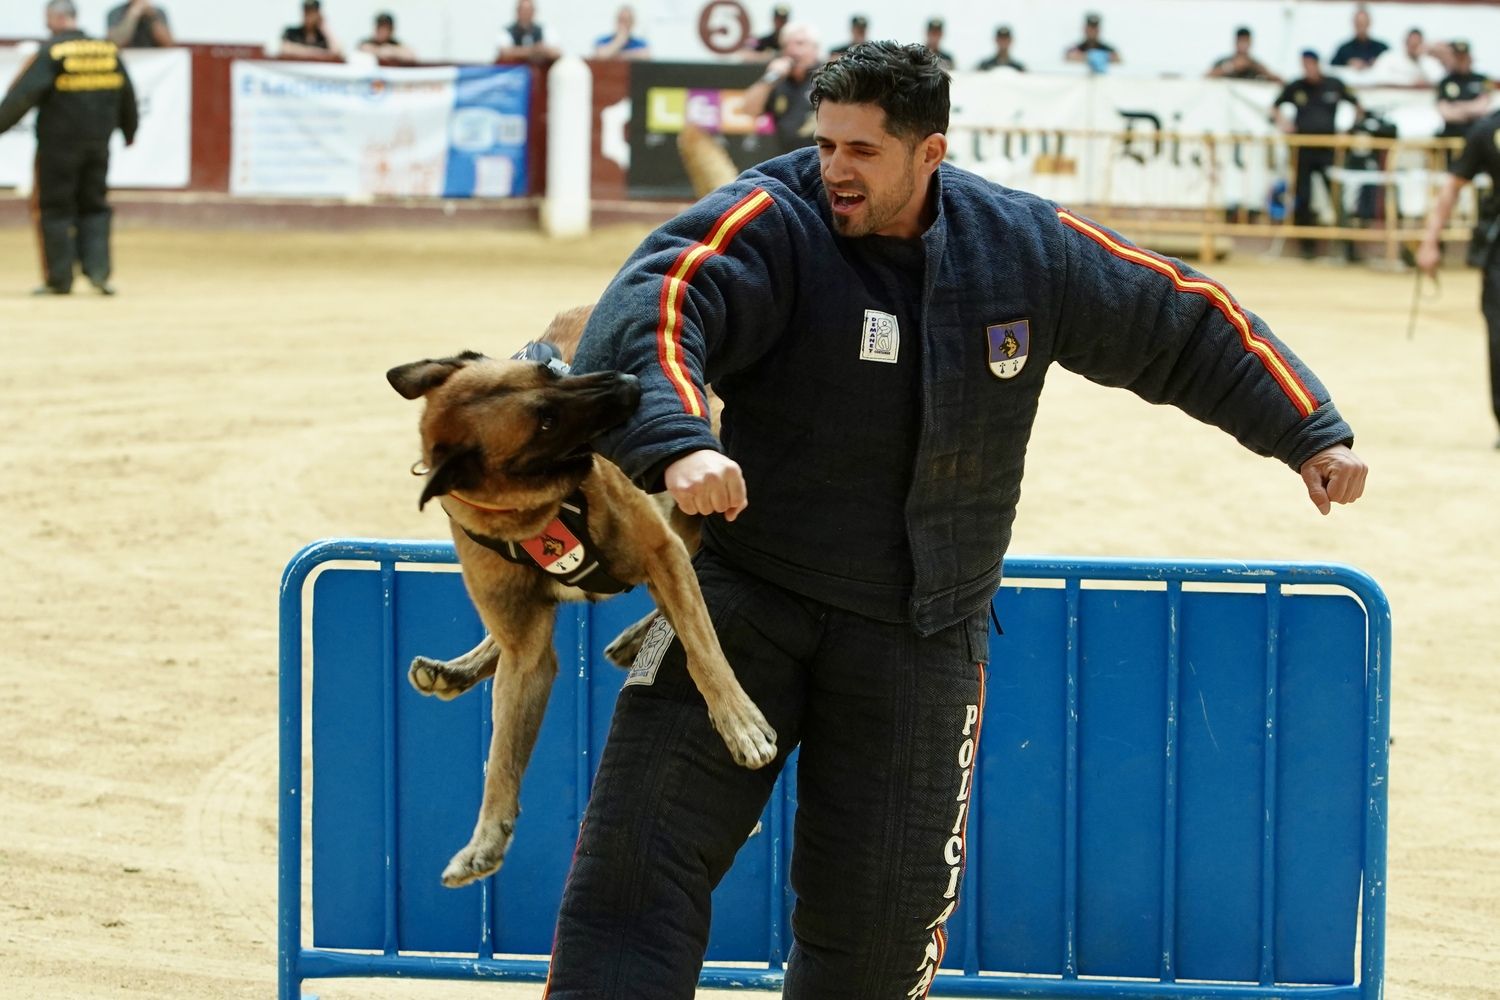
(510, 436)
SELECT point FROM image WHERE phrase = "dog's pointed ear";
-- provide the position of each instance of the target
(460, 470)
(418, 378)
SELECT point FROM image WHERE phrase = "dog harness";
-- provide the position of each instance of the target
(564, 550)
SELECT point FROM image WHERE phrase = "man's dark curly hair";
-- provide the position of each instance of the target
(905, 81)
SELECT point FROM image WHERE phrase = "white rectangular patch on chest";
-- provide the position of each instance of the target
(880, 337)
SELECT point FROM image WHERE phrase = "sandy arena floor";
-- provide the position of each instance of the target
(165, 452)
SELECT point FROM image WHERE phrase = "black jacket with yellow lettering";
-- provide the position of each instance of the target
(81, 89)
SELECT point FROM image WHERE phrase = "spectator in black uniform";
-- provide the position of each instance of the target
(859, 30)
(1093, 49)
(522, 40)
(1481, 154)
(82, 94)
(1316, 98)
(139, 24)
(935, 43)
(768, 46)
(1240, 64)
(311, 39)
(384, 45)
(1002, 58)
(1463, 96)
(784, 91)
(1361, 51)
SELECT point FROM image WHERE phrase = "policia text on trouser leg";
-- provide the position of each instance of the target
(81, 93)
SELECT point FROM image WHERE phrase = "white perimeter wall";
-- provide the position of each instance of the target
(1155, 37)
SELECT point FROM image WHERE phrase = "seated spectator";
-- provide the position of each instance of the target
(1413, 66)
(384, 45)
(935, 43)
(623, 43)
(768, 46)
(1361, 51)
(311, 39)
(139, 24)
(1241, 65)
(1463, 96)
(859, 33)
(522, 41)
(1093, 50)
(1002, 58)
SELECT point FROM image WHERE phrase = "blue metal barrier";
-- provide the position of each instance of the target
(1180, 793)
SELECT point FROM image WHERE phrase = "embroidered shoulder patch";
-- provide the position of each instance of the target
(879, 337)
(658, 639)
(1009, 343)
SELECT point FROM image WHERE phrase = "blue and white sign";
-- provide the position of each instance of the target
(312, 130)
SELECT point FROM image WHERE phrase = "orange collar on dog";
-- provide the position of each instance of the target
(482, 506)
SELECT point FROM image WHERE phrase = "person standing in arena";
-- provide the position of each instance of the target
(1481, 155)
(879, 324)
(82, 93)
(1316, 98)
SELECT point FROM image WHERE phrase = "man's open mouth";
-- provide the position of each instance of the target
(845, 201)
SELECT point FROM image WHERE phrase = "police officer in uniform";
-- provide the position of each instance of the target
(1316, 98)
(1481, 154)
(1462, 95)
(82, 93)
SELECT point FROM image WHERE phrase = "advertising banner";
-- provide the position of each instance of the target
(314, 130)
(666, 96)
(162, 154)
(1145, 145)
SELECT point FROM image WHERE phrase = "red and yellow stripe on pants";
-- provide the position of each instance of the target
(955, 849)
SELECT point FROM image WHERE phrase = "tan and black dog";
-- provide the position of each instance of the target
(537, 518)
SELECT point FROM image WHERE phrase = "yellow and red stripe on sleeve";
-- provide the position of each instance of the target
(1277, 365)
(674, 291)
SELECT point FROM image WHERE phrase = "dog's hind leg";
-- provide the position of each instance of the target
(447, 679)
(520, 700)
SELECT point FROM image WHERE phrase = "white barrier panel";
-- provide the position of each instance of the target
(1148, 169)
(162, 154)
(314, 130)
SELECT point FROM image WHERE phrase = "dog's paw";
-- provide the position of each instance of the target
(747, 734)
(481, 857)
(436, 678)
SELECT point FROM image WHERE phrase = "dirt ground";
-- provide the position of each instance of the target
(165, 452)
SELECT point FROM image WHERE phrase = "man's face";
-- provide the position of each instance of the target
(1091, 31)
(869, 176)
(383, 32)
(1002, 43)
(1242, 45)
(525, 11)
(1414, 44)
(800, 47)
(1310, 69)
(1361, 23)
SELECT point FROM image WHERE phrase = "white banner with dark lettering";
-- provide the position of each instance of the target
(1138, 152)
(162, 154)
(314, 130)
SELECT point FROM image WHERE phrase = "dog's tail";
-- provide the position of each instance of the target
(707, 162)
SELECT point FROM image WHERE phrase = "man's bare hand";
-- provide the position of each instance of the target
(706, 482)
(1428, 258)
(1334, 475)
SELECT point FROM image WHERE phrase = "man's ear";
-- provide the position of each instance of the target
(934, 150)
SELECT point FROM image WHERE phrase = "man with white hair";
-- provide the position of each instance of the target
(82, 94)
(784, 92)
